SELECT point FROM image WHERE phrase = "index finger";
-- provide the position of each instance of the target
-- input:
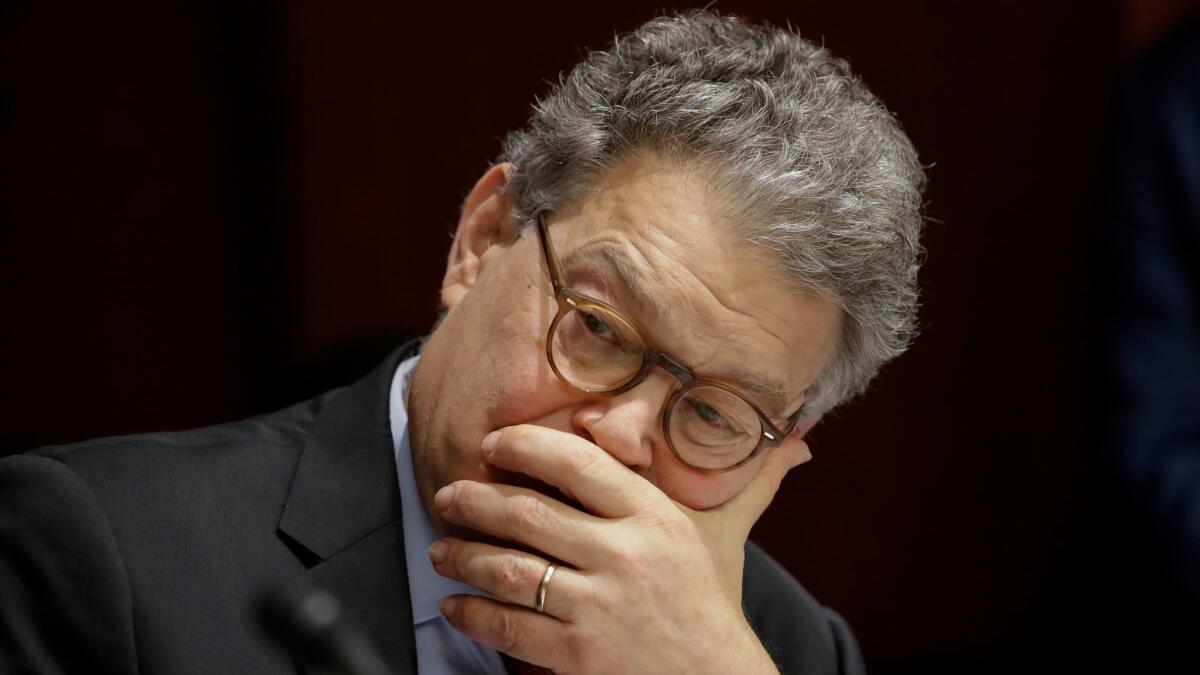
(580, 469)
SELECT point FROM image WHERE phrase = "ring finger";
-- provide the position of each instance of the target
(509, 575)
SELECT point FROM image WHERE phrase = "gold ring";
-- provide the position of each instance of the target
(540, 603)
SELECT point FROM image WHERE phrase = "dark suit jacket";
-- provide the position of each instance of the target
(143, 553)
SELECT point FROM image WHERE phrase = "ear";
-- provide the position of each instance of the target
(795, 446)
(486, 226)
(803, 427)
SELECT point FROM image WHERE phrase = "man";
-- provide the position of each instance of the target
(706, 238)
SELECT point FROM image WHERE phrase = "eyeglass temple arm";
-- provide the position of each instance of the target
(786, 430)
(556, 274)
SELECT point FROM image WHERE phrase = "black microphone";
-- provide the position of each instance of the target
(310, 624)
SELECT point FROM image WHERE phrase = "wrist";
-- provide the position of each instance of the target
(740, 652)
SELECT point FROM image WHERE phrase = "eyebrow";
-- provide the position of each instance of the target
(771, 392)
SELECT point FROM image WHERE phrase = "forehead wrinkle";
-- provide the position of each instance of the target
(770, 393)
(631, 277)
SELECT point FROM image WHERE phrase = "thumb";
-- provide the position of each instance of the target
(748, 505)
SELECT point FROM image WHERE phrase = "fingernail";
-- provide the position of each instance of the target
(437, 552)
(490, 441)
(441, 500)
(801, 459)
(448, 605)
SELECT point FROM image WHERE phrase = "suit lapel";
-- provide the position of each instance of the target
(343, 507)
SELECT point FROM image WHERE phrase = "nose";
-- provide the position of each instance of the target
(629, 425)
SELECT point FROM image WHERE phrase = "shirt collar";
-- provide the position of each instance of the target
(426, 587)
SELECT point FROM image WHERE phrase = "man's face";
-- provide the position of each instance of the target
(701, 296)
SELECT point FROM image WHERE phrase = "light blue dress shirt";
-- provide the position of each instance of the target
(441, 650)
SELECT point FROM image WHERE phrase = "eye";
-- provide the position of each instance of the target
(597, 325)
(707, 413)
(709, 416)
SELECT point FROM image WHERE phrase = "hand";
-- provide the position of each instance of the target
(644, 584)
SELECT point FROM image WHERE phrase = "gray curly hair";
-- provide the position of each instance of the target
(824, 174)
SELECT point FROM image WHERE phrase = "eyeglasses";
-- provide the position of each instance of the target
(594, 349)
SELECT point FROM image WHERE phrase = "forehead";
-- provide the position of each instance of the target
(701, 292)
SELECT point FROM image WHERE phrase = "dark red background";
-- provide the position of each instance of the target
(212, 210)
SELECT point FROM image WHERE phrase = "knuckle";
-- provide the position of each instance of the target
(470, 568)
(580, 460)
(506, 630)
(463, 495)
(511, 441)
(591, 596)
(514, 435)
(509, 575)
(527, 512)
(626, 557)
(579, 646)
(456, 562)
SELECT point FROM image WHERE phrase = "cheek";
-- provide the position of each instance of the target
(520, 386)
(527, 391)
(491, 369)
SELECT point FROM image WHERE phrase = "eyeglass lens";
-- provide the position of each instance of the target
(597, 351)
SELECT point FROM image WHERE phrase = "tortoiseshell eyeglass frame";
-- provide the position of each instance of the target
(569, 300)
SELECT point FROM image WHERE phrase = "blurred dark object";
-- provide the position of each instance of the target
(1149, 302)
(1144, 21)
(309, 623)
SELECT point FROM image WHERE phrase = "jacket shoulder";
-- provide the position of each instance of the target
(287, 427)
(66, 599)
(159, 462)
(218, 490)
(800, 634)
(167, 533)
